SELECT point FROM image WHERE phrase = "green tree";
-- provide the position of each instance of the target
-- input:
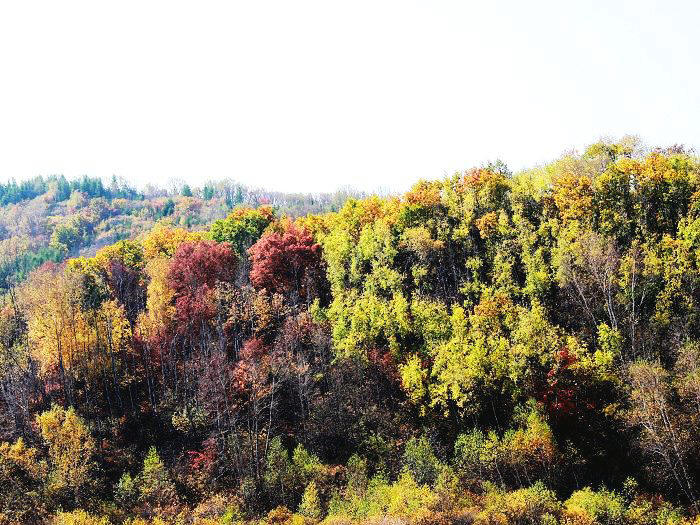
(420, 460)
(278, 469)
(208, 192)
(156, 487)
(243, 227)
(126, 491)
(310, 505)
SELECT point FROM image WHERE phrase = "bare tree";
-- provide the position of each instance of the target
(664, 430)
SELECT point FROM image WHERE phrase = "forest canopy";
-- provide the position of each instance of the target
(486, 348)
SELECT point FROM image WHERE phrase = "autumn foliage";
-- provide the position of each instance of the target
(195, 270)
(288, 263)
(489, 348)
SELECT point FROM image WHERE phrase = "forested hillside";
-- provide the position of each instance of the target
(52, 218)
(490, 348)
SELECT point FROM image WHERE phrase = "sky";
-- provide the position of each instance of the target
(314, 95)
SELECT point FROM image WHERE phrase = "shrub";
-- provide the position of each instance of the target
(78, 517)
(600, 507)
(404, 498)
(534, 505)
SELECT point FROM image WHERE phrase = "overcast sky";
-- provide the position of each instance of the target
(312, 95)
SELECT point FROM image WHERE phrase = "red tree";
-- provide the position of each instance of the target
(195, 270)
(287, 263)
(567, 392)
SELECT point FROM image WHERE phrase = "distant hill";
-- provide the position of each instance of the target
(52, 218)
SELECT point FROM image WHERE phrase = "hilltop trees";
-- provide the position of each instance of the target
(242, 227)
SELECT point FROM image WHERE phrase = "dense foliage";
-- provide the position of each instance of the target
(488, 348)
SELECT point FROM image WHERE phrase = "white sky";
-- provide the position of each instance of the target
(312, 95)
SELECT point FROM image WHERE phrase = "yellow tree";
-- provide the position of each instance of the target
(22, 478)
(160, 310)
(71, 451)
(78, 345)
(163, 241)
(56, 326)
